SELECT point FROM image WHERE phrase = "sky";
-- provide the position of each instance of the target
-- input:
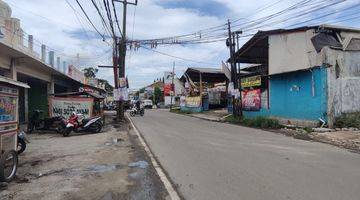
(64, 29)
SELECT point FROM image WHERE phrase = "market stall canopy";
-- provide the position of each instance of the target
(13, 82)
(209, 75)
(84, 93)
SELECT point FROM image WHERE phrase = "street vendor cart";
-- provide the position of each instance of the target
(9, 94)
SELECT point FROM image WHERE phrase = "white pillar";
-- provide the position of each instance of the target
(13, 71)
(31, 43)
(43, 53)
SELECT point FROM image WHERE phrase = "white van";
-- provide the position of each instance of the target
(147, 103)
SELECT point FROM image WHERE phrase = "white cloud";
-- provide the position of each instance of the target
(152, 21)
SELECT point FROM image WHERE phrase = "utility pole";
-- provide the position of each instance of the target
(122, 52)
(172, 86)
(235, 78)
(238, 77)
(231, 45)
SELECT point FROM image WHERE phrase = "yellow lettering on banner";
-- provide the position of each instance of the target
(251, 81)
(193, 101)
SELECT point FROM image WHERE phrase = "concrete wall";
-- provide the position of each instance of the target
(297, 96)
(33, 71)
(343, 82)
(291, 52)
(5, 62)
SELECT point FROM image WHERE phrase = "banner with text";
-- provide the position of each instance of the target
(251, 81)
(193, 102)
(63, 106)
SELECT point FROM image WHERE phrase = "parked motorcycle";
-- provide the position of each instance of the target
(78, 123)
(22, 140)
(134, 111)
(52, 123)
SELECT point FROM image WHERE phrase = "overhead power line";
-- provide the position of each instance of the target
(101, 16)
(177, 57)
(116, 19)
(89, 20)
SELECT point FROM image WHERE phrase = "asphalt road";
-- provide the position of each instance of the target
(209, 160)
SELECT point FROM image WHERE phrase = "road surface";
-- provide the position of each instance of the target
(210, 160)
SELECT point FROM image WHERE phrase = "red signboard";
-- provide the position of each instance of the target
(167, 89)
(251, 100)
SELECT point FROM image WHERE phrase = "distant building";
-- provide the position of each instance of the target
(303, 75)
(173, 88)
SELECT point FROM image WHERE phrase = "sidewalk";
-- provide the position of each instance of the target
(348, 139)
(108, 165)
(212, 115)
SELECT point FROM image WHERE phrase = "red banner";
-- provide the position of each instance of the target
(251, 100)
(167, 89)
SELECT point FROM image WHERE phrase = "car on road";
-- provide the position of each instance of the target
(147, 104)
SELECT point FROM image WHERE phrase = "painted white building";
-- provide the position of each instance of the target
(178, 88)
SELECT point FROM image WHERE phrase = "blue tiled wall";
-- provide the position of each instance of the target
(291, 96)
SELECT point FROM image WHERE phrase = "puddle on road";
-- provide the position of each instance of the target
(139, 164)
(103, 168)
(114, 141)
(134, 175)
(77, 171)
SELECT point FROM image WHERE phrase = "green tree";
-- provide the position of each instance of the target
(158, 95)
(142, 90)
(109, 88)
(90, 72)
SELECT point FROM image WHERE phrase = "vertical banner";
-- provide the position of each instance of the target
(226, 70)
(122, 82)
(251, 100)
(121, 94)
(182, 101)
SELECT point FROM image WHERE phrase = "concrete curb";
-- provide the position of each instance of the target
(207, 119)
(169, 187)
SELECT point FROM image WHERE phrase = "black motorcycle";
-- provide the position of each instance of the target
(53, 123)
(135, 111)
(22, 140)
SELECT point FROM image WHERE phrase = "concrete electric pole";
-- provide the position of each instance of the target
(234, 74)
(172, 93)
(122, 51)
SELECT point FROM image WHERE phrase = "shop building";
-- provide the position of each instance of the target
(205, 88)
(21, 62)
(301, 76)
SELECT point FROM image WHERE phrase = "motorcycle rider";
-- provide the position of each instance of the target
(138, 105)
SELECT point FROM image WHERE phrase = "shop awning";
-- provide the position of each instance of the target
(209, 75)
(13, 82)
(91, 94)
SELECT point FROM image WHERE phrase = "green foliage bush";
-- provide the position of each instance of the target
(258, 122)
(348, 120)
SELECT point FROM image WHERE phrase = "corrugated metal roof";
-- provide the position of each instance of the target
(97, 96)
(206, 70)
(260, 36)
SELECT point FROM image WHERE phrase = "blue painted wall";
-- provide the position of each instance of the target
(291, 96)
